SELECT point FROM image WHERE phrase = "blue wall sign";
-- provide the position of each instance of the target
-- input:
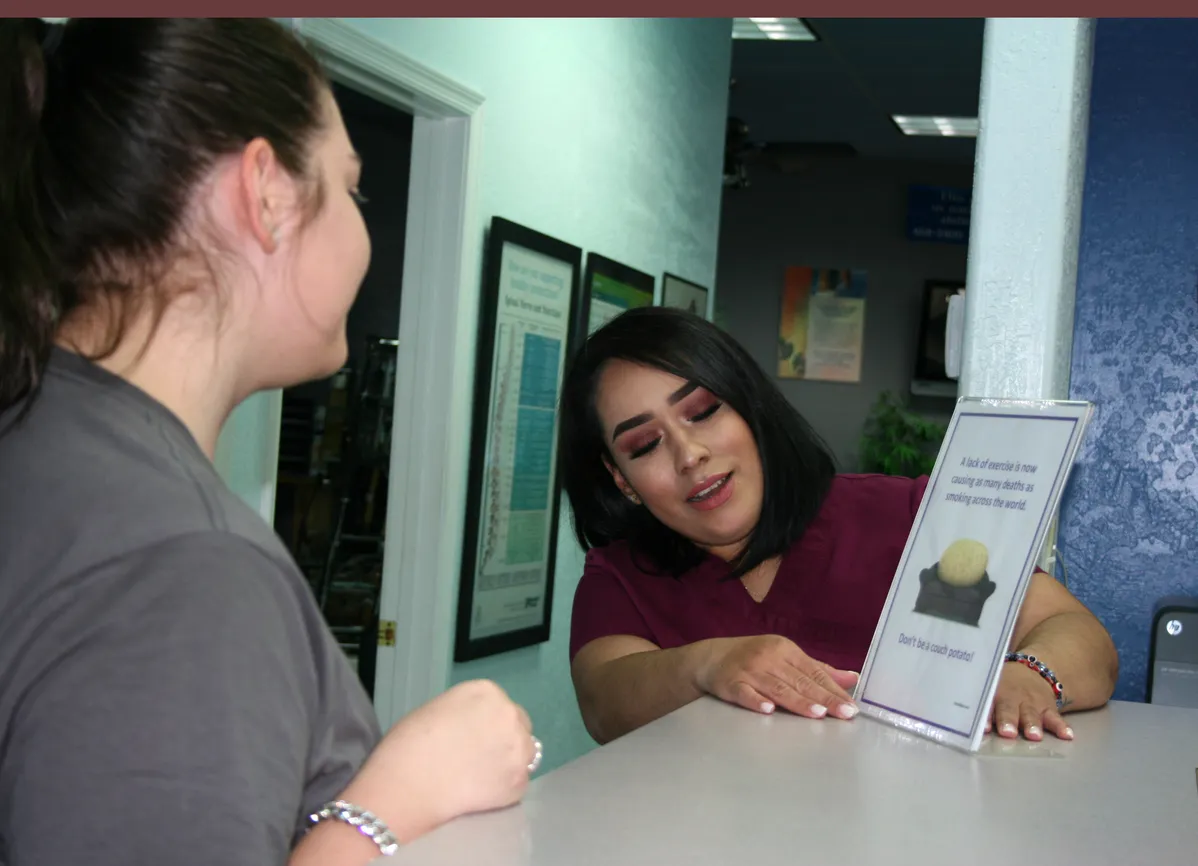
(939, 214)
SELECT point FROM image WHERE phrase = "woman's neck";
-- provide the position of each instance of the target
(176, 368)
(759, 581)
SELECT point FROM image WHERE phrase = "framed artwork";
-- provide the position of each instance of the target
(933, 326)
(683, 294)
(530, 300)
(610, 288)
(822, 329)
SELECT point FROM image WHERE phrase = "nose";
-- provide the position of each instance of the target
(689, 452)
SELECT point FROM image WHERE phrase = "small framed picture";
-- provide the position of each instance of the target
(683, 294)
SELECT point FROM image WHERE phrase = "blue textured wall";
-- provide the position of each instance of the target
(1129, 529)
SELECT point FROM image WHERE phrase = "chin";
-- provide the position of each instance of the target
(329, 358)
(309, 365)
(336, 360)
(725, 535)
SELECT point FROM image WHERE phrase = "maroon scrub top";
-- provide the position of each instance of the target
(827, 596)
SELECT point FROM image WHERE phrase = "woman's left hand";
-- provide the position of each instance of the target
(1024, 702)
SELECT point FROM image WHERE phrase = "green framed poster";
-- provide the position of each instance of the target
(610, 288)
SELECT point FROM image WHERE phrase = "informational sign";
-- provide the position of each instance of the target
(940, 643)
(532, 324)
(939, 214)
(610, 297)
(528, 315)
(822, 328)
(610, 288)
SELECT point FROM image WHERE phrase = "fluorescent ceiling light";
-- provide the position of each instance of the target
(788, 29)
(951, 127)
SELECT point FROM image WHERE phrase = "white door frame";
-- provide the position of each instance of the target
(430, 441)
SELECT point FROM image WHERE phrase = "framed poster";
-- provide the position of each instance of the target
(683, 294)
(822, 327)
(609, 289)
(530, 299)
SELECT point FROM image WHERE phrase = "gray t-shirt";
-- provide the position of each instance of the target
(169, 692)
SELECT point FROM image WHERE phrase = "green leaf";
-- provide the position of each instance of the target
(897, 441)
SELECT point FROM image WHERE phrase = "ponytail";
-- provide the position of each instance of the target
(107, 126)
(28, 279)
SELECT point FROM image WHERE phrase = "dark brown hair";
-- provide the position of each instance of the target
(108, 126)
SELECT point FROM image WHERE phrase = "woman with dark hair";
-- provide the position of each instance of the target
(726, 557)
(180, 230)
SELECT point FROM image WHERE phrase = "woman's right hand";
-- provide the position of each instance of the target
(768, 671)
(467, 750)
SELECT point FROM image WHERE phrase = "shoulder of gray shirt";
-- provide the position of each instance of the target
(99, 470)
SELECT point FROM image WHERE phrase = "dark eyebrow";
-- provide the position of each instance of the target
(637, 420)
(683, 392)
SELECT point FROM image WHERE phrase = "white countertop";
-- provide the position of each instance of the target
(713, 784)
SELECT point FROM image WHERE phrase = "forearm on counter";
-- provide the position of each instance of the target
(1081, 654)
(625, 693)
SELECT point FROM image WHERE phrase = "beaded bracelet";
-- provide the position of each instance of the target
(366, 823)
(1043, 670)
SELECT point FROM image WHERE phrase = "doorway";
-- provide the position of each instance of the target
(429, 435)
(335, 435)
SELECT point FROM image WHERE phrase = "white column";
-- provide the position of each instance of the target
(1031, 153)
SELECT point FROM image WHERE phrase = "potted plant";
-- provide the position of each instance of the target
(897, 441)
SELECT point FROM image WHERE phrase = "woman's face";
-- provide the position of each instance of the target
(323, 261)
(685, 455)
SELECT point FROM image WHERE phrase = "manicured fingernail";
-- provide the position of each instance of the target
(767, 707)
(1008, 728)
(1068, 733)
(847, 711)
(1033, 732)
(819, 710)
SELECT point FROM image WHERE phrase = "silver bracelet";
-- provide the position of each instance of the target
(366, 823)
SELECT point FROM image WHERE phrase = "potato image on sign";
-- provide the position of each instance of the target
(956, 587)
(964, 562)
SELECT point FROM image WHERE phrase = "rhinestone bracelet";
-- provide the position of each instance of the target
(1043, 670)
(366, 823)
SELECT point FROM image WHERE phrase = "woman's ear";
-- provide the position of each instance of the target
(622, 483)
(260, 187)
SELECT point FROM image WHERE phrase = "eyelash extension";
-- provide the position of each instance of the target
(702, 416)
(644, 449)
(358, 197)
(707, 413)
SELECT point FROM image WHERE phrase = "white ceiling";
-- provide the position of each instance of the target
(846, 86)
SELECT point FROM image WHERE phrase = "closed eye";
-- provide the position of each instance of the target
(706, 413)
(644, 449)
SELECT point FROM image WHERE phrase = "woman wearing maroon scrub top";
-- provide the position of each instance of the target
(725, 556)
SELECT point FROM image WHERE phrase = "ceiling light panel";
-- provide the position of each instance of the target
(785, 29)
(947, 127)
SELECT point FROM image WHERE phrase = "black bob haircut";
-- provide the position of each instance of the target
(796, 465)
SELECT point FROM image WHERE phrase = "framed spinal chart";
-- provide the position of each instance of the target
(529, 306)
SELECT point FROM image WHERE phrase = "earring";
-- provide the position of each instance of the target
(634, 499)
